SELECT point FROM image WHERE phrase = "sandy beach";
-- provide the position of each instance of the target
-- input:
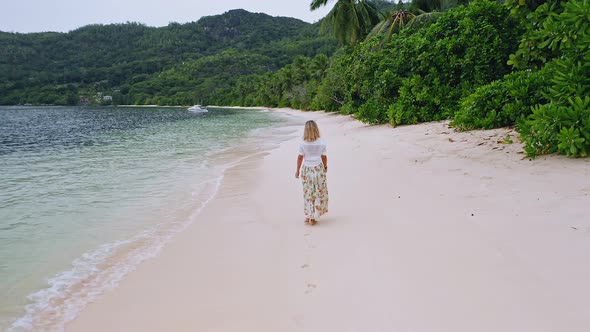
(429, 230)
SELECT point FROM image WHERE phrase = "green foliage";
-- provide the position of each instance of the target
(502, 102)
(531, 54)
(423, 20)
(484, 64)
(332, 90)
(349, 20)
(554, 128)
(139, 64)
(521, 8)
(571, 77)
(371, 112)
(563, 124)
(393, 22)
(296, 85)
(466, 48)
(571, 143)
(421, 75)
(436, 5)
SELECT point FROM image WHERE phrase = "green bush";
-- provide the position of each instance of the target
(530, 54)
(502, 102)
(420, 75)
(413, 104)
(467, 47)
(554, 128)
(563, 124)
(371, 112)
(331, 92)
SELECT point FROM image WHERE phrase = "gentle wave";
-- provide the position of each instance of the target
(103, 269)
(97, 272)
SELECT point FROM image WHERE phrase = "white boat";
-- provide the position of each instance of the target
(197, 109)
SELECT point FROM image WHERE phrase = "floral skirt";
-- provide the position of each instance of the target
(315, 191)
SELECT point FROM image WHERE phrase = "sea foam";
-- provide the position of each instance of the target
(100, 271)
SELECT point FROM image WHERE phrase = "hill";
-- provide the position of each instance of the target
(121, 60)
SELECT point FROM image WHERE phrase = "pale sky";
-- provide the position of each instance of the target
(66, 15)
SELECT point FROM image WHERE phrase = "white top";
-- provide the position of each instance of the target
(312, 152)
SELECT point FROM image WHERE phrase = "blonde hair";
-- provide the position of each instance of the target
(311, 131)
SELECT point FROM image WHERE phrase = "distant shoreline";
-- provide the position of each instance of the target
(146, 106)
(206, 106)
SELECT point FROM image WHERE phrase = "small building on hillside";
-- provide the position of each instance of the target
(84, 100)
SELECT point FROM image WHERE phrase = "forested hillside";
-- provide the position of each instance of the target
(120, 60)
(481, 63)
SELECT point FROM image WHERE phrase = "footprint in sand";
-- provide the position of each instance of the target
(308, 241)
(310, 288)
(299, 320)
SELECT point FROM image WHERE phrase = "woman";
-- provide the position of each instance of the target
(312, 154)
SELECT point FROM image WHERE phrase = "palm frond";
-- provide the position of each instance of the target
(423, 20)
(395, 21)
(315, 4)
(350, 20)
(380, 28)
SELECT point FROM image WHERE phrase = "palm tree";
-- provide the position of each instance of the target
(429, 11)
(394, 21)
(286, 78)
(350, 20)
(319, 66)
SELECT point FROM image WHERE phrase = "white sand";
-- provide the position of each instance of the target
(427, 231)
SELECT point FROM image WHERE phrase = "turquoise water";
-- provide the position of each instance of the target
(88, 193)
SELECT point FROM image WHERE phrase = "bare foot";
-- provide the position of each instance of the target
(312, 222)
(306, 220)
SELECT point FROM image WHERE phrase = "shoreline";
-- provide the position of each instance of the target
(428, 230)
(99, 268)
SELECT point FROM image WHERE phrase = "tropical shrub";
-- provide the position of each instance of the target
(371, 112)
(415, 103)
(467, 47)
(502, 102)
(350, 81)
(531, 54)
(331, 91)
(563, 124)
(555, 128)
(373, 74)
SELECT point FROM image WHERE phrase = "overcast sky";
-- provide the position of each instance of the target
(66, 15)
